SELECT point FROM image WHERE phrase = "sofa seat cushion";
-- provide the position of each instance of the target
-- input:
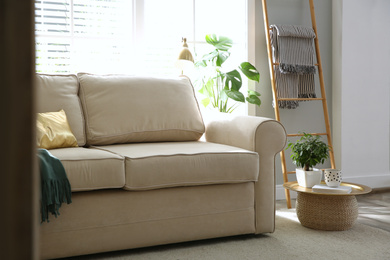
(172, 164)
(125, 109)
(91, 169)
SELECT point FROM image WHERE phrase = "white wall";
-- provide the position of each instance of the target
(361, 90)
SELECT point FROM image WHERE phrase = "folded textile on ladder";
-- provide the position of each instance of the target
(293, 50)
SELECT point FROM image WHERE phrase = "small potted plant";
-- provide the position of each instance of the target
(307, 152)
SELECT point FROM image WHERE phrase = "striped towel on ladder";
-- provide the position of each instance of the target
(292, 47)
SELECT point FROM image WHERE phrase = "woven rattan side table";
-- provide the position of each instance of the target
(325, 211)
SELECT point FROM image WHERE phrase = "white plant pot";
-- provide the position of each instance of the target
(308, 179)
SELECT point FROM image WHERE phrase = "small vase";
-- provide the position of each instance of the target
(332, 177)
(308, 179)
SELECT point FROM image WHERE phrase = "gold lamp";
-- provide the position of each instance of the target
(185, 59)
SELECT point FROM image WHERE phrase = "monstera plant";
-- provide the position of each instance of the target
(219, 86)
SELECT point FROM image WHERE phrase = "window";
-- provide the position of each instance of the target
(83, 35)
(132, 36)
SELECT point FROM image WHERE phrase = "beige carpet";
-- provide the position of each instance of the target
(289, 241)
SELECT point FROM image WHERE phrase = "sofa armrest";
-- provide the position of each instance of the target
(265, 136)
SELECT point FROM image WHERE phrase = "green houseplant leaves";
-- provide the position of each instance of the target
(308, 151)
(218, 86)
(219, 42)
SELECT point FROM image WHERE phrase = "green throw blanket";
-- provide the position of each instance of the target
(55, 186)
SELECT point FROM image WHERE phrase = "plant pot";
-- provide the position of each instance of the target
(308, 179)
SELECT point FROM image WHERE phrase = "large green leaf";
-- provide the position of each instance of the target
(219, 42)
(235, 95)
(201, 63)
(222, 57)
(218, 56)
(233, 80)
(250, 71)
(253, 97)
(205, 102)
(254, 100)
(253, 93)
(210, 56)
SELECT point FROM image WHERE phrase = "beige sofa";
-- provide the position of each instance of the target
(141, 176)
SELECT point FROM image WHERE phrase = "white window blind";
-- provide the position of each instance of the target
(83, 35)
(52, 19)
(132, 36)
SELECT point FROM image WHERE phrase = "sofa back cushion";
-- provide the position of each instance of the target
(126, 109)
(56, 92)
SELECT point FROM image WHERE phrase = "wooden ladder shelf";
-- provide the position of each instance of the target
(276, 98)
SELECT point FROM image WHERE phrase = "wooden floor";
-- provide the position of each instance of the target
(374, 208)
